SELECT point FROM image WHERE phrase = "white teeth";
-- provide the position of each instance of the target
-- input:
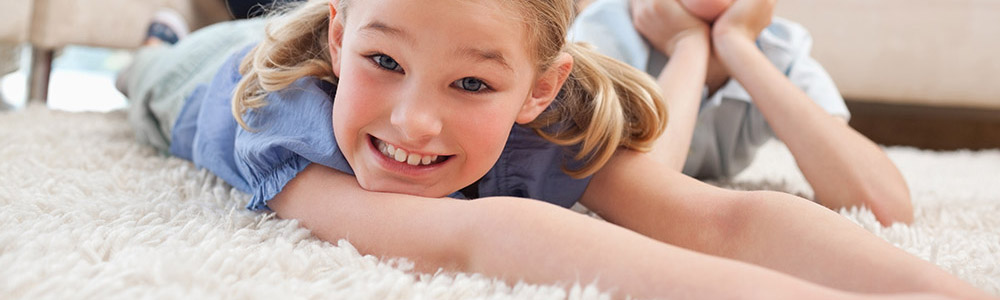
(413, 159)
(402, 156)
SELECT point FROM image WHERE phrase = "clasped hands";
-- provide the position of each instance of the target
(666, 22)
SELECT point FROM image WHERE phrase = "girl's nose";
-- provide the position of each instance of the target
(417, 116)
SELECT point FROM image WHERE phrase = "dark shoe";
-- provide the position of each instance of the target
(167, 26)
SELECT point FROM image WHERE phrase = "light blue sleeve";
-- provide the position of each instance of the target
(788, 46)
(607, 26)
(205, 129)
(294, 129)
(806, 73)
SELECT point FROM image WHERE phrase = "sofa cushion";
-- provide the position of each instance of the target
(928, 52)
(99, 23)
(14, 21)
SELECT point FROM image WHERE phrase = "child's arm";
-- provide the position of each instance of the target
(518, 239)
(775, 230)
(683, 37)
(843, 167)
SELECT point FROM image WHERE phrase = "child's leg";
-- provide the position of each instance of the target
(166, 28)
(771, 229)
(162, 77)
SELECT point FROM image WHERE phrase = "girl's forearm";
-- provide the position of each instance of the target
(786, 233)
(681, 82)
(841, 165)
(540, 243)
(774, 230)
(520, 239)
(333, 206)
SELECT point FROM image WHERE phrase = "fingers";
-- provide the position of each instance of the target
(745, 17)
(661, 22)
(707, 10)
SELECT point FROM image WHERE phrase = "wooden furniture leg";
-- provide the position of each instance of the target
(41, 68)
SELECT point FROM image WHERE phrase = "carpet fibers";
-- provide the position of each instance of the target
(87, 213)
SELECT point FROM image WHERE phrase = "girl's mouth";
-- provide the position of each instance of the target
(403, 156)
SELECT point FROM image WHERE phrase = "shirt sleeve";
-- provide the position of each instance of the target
(531, 167)
(607, 26)
(205, 129)
(789, 46)
(294, 129)
(809, 75)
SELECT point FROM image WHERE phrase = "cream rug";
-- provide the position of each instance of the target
(86, 213)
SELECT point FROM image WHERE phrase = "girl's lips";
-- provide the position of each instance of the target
(399, 160)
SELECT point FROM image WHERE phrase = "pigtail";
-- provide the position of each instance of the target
(604, 104)
(294, 46)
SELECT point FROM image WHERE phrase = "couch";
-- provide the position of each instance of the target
(48, 25)
(923, 52)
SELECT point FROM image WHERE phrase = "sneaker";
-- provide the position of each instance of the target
(168, 26)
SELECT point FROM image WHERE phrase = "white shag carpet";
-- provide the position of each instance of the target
(87, 213)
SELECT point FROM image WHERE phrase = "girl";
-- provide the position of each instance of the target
(760, 84)
(364, 120)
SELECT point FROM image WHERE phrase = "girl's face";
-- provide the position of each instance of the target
(428, 91)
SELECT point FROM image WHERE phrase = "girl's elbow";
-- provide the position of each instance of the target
(889, 202)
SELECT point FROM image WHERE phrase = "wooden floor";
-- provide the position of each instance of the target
(927, 127)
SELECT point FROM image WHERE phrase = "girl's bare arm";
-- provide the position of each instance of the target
(681, 81)
(775, 230)
(843, 167)
(520, 239)
(671, 29)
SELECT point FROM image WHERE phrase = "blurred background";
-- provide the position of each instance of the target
(921, 73)
(82, 79)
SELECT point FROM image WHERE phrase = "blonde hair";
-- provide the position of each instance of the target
(294, 46)
(604, 104)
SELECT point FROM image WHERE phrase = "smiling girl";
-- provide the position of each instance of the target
(369, 120)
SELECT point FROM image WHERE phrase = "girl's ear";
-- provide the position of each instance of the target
(335, 38)
(546, 88)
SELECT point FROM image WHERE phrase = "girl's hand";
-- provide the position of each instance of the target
(745, 19)
(665, 22)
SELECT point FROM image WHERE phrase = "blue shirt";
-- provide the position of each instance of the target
(729, 128)
(294, 129)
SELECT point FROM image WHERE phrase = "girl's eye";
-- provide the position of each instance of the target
(386, 62)
(471, 84)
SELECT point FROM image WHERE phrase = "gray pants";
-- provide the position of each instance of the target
(160, 78)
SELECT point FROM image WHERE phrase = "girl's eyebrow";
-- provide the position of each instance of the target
(383, 28)
(486, 55)
(491, 55)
